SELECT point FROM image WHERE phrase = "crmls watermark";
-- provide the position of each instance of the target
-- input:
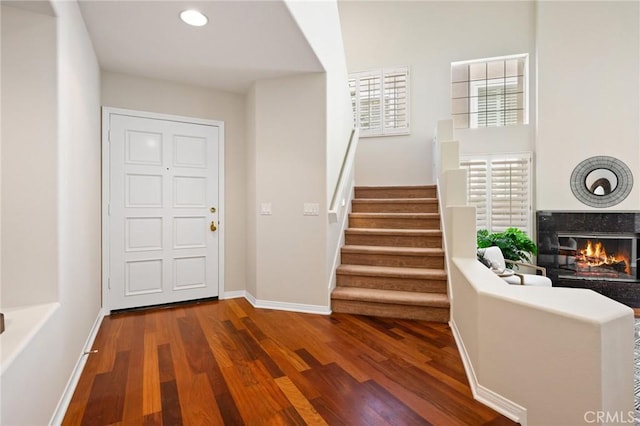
(616, 417)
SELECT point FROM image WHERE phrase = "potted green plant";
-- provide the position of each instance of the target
(514, 243)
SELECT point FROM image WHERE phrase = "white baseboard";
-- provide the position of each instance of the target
(63, 404)
(233, 294)
(501, 404)
(286, 306)
(483, 394)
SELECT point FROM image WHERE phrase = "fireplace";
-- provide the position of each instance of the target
(598, 257)
(594, 250)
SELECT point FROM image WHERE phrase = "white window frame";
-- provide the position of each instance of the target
(489, 193)
(472, 108)
(384, 129)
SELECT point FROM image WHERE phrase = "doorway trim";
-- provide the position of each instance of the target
(106, 189)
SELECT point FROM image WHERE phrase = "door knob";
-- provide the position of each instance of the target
(213, 226)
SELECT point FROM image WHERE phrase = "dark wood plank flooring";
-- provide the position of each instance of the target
(225, 362)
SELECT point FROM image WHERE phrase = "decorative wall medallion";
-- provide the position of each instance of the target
(601, 181)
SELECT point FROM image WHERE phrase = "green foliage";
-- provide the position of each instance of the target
(514, 243)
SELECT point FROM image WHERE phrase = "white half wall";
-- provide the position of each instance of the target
(143, 94)
(588, 94)
(548, 356)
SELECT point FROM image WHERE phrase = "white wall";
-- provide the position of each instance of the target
(320, 23)
(29, 103)
(40, 372)
(290, 164)
(588, 94)
(137, 93)
(428, 36)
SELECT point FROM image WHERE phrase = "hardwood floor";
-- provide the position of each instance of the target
(225, 362)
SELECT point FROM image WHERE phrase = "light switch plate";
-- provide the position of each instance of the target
(311, 209)
(265, 209)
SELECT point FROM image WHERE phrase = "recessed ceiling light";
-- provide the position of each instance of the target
(193, 17)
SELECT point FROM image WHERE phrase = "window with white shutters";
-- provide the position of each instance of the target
(489, 92)
(380, 101)
(499, 186)
(477, 188)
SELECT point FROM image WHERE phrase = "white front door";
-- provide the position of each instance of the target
(163, 211)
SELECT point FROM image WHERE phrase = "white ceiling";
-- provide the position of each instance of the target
(244, 41)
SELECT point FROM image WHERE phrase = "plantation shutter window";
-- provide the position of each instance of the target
(380, 101)
(510, 194)
(499, 186)
(477, 179)
(370, 116)
(395, 100)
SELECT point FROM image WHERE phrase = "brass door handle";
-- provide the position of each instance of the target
(213, 226)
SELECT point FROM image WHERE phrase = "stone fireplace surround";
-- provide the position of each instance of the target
(552, 223)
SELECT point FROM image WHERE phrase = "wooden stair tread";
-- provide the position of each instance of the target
(395, 231)
(409, 251)
(394, 200)
(396, 297)
(384, 192)
(392, 259)
(390, 271)
(398, 187)
(396, 215)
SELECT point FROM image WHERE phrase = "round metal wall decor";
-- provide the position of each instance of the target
(601, 181)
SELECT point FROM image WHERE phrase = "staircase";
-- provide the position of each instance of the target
(392, 260)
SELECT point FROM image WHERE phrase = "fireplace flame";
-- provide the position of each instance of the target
(596, 255)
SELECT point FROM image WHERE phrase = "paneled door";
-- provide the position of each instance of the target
(163, 211)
